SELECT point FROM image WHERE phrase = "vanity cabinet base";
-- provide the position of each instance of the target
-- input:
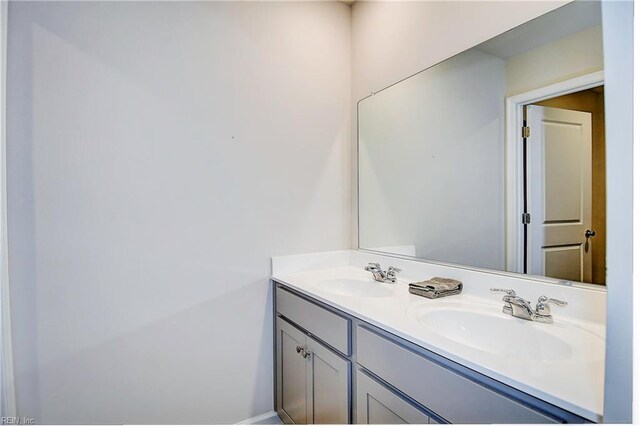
(355, 372)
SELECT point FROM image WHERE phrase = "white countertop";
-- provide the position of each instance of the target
(573, 381)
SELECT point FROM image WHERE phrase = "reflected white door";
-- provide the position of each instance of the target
(559, 193)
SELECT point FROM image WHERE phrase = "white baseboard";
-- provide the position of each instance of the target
(263, 419)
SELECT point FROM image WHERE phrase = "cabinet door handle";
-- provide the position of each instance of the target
(302, 351)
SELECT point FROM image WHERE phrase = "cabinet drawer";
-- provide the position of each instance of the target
(447, 393)
(327, 326)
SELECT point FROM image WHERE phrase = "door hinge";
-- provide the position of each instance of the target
(526, 218)
(526, 131)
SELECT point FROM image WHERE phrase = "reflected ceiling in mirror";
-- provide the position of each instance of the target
(449, 171)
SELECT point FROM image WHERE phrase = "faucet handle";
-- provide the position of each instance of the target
(543, 309)
(544, 299)
(391, 273)
(373, 267)
(506, 290)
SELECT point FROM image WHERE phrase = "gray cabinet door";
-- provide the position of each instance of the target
(292, 378)
(377, 404)
(312, 382)
(329, 376)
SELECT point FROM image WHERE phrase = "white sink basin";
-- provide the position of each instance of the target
(355, 287)
(480, 328)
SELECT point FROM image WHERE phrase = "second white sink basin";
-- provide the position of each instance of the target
(480, 328)
(355, 287)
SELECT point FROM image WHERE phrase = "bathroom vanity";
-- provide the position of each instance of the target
(352, 350)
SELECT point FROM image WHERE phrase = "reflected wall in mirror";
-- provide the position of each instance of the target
(494, 158)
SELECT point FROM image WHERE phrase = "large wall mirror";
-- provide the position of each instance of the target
(494, 158)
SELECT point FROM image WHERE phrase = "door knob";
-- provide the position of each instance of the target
(589, 233)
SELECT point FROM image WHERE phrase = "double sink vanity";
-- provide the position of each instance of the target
(350, 349)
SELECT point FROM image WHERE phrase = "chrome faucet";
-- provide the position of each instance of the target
(381, 276)
(518, 307)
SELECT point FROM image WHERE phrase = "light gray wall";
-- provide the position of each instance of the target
(617, 23)
(431, 178)
(158, 155)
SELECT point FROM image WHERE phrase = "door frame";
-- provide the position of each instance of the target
(514, 152)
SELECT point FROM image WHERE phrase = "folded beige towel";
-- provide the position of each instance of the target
(436, 287)
(439, 284)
